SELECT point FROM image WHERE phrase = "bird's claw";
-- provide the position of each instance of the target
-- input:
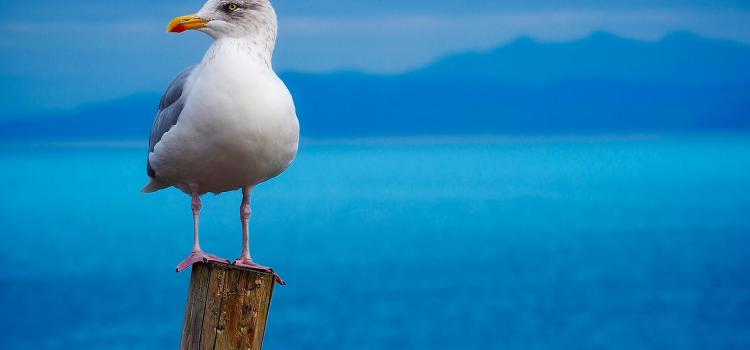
(278, 279)
(196, 257)
(250, 264)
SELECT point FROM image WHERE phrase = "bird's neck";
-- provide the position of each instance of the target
(258, 48)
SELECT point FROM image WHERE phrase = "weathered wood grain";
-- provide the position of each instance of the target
(213, 307)
(227, 308)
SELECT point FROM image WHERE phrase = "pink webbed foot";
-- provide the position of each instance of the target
(250, 264)
(198, 257)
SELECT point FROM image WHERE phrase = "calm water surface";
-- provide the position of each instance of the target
(491, 244)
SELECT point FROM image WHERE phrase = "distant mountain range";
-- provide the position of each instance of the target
(679, 58)
(600, 84)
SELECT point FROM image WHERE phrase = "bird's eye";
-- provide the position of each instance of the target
(232, 7)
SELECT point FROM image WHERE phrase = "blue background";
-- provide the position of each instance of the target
(473, 175)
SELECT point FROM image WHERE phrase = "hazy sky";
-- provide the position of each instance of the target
(60, 54)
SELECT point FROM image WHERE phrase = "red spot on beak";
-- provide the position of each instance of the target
(178, 29)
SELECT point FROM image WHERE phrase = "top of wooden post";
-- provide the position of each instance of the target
(227, 308)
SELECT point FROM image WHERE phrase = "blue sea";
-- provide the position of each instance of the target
(638, 242)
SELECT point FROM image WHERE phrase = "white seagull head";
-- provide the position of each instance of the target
(230, 19)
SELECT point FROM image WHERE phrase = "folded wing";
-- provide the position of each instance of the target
(170, 107)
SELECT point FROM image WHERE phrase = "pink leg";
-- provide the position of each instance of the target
(245, 260)
(197, 255)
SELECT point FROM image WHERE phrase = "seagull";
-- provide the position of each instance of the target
(228, 123)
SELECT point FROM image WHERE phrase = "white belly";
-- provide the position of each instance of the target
(236, 130)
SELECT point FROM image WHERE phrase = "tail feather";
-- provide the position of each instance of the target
(153, 186)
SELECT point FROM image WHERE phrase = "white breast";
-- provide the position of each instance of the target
(238, 128)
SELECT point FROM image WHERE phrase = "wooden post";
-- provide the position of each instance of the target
(227, 308)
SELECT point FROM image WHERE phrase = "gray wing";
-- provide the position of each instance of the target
(170, 107)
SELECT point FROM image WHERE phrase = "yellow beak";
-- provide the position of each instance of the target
(183, 23)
